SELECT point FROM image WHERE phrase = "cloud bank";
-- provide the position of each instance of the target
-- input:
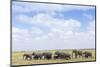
(44, 31)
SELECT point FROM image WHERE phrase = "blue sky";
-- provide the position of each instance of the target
(52, 26)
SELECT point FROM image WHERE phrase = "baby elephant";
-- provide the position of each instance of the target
(87, 54)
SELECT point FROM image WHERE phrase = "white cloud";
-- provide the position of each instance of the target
(92, 25)
(18, 33)
(23, 18)
(25, 33)
(16, 30)
(36, 30)
(49, 21)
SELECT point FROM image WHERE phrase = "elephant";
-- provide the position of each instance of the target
(77, 53)
(27, 56)
(56, 57)
(87, 54)
(47, 55)
(37, 55)
(67, 56)
(61, 55)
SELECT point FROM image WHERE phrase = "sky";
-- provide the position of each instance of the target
(43, 26)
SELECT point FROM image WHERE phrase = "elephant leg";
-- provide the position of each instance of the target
(75, 55)
(26, 57)
(69, 57)
(72, 55)
(91, 56)
(30, 58)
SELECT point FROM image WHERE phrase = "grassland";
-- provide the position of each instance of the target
(17, 58)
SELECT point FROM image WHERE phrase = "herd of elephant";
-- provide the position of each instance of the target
(57, 55)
